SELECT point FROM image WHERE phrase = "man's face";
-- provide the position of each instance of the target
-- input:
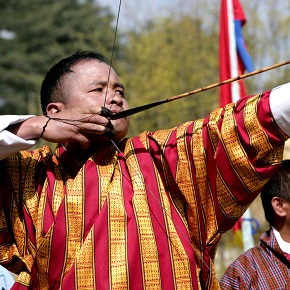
(88, 85)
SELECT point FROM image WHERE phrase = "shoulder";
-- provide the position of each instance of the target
(28, 158)
(247, 259)
(242, 271)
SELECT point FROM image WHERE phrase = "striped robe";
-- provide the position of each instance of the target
(149, 216)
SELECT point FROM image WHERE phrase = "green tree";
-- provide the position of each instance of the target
(34, 34)
(170, 56)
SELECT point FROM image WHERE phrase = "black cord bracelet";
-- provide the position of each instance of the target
(43, 129)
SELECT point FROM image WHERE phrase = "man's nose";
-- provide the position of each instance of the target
(114, 98)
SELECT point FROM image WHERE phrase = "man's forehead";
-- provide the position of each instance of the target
(90, 63)
(94, 67)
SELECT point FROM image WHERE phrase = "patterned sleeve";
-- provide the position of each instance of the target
(237, 275)
(215, 167)
(13, 233)
(224, 161)
(20, 175)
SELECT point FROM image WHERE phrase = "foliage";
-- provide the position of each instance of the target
(170, 56)
(268, 40)
(167, 56)
(35, 34)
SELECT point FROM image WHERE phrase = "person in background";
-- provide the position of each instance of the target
(103, 211)
(267, 266)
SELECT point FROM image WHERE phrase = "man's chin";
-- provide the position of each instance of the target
(106, 138)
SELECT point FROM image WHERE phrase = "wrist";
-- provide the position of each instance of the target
(45, 125)
(30, 129)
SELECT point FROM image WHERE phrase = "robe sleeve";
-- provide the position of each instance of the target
(225, 160)
(213, 168)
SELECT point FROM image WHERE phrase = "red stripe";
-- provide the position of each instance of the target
(157, 218)
(18, 286)
(48, 218)
(68, 282)
(58, 246)
(91, 202)
(134, 259)
(101, 249)
(157, 215)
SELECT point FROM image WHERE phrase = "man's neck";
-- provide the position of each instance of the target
(79, 151)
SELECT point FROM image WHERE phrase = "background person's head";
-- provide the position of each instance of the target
(275, 198)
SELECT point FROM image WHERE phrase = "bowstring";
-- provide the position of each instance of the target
(113, 50)
(122, 154)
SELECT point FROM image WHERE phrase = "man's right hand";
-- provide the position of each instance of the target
(70, 125)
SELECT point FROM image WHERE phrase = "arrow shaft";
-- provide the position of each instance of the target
(135, 110)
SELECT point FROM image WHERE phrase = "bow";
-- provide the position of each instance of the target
(135, 110)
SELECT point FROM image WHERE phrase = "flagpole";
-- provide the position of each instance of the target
(235, 90)
(248, 241)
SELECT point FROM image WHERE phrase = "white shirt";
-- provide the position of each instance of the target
(10, 143)
(284, 246)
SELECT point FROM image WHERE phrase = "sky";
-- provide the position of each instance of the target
(136, 11)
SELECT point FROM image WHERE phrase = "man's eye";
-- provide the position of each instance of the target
(120, 92)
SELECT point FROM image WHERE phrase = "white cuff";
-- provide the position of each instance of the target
(280, 107)
(10, 143)
(7, 120)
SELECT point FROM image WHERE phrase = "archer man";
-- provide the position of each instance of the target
(103, 211)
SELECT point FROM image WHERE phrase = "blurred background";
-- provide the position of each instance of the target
(163, 48)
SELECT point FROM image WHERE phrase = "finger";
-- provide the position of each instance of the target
(109, 133)
(103, 111)
(90, 128)
(109, 125)
(96, 130)
(109, 130)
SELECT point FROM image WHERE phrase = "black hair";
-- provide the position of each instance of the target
(278, 185)
(50, 89)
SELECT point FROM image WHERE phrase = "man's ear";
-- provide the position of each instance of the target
(53, 108)
(278, 205)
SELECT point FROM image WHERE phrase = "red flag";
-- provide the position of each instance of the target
(233, 55)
